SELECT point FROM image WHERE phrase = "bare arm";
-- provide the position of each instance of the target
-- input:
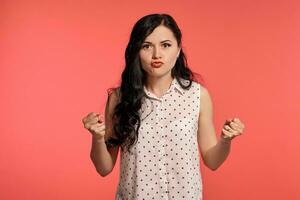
(214, 152)
(103, 157)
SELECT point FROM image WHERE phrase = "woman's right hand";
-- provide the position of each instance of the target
(94, 123)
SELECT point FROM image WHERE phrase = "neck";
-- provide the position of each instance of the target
(158, 86)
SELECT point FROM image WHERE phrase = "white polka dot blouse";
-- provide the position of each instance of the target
(165, 162)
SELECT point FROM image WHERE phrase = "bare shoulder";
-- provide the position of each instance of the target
(113, 95)
(112, 101)
(205, 100)
(204, 91)
(110, 136)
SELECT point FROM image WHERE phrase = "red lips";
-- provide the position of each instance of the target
(156, 64)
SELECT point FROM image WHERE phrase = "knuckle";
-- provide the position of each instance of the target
(95, 117)
(86, 125)
(92, 130)
(92, 127)
(91, 115)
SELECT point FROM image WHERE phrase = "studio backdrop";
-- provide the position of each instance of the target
(58, 58)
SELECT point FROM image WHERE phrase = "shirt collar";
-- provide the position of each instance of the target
(177, 86)
(174, 86)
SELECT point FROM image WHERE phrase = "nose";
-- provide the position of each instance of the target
(156, 53)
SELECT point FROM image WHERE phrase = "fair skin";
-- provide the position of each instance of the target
(104, 158)
(161, 45)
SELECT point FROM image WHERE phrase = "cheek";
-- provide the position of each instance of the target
(144, 59)
(172, 59)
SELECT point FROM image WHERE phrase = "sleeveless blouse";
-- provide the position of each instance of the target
(164, 163)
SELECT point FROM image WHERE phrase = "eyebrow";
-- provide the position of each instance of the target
(160, 42)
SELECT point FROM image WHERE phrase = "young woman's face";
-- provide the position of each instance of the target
(160, 46)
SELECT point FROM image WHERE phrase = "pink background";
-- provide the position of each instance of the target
(57, 58)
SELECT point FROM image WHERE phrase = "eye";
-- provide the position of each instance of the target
(166, 45)
(146, 46)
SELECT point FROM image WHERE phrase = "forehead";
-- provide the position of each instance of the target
(160, 33)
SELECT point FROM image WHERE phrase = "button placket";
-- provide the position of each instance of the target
(161, 151)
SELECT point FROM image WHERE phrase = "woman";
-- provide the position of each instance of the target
(158, 116)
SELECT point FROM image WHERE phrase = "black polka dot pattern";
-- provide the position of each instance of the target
(164, 163)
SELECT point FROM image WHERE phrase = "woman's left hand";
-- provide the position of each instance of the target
(232, 128)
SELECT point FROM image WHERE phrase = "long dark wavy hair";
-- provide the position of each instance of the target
(126, 116)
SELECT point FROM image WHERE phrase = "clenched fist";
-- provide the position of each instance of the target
(232, 128)
(94, 123)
